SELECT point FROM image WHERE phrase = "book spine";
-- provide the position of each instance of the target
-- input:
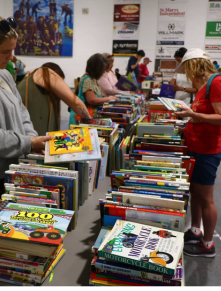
(148, 266)
(19, 265)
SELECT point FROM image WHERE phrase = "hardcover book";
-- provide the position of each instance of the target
(173, 105)
(167, 91)
(143, 246)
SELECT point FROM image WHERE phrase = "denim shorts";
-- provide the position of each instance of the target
(205, 168)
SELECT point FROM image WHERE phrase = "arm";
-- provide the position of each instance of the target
(173, 82)
(95, 101)
(63, 92)
(106, 86)
(136, 64)
(214, 119)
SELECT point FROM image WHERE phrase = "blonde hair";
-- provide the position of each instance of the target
(4, 36)
(109, 57)
(196, 68)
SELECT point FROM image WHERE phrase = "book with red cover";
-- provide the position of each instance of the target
(163, 148)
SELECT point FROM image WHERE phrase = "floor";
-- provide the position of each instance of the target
(74, 267)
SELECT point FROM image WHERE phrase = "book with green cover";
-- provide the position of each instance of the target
(144, 246)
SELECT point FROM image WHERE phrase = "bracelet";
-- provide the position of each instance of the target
(32, 140)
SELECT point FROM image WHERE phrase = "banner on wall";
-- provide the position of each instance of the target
(213, 29)
(45, 28)
(162, 65)
(170, 28)
(126, 29)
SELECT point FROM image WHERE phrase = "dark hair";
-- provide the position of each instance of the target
(96, 66)
(215, 62)
(141, 53)
(117, 69)
(55, 68)
(180, 52)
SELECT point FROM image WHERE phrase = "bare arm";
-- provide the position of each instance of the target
(95, 101)
(214, 119)
(63, 92)
(173, 82)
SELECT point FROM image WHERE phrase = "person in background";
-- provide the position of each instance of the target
(118, 75)
(89, 90)
(108, 80)
(181, 85)
(17, 134)
(216, 65)
(203, 140)
(11, 69)
(19, 67)
(41, 91)
(144, 72)
(133, 63)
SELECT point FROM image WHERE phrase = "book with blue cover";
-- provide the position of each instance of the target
(167, 91)
(125, 85)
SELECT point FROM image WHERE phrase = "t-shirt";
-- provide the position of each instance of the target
(143, 71)
(10, 68)
(20, 66)
(132, 61)
(182, 81)
(202, 137)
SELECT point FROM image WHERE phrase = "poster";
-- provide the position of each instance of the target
(162, 65)
(126, 29)
(170, 28)
(45, 28)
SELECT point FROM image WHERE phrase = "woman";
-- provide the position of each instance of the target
(203, 139)
(108, 80)
(19, 67)
(89, 91)
(182, 86)
(17, 134)
(41, 92)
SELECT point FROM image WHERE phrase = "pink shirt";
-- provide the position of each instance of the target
(107, 83)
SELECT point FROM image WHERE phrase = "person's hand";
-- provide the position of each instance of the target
(139, 58)
(157, 86)
(181, 129)
(112, 98)
(177, 88)
(38, 143)
(186, 112)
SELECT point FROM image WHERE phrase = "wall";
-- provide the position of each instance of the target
(93, 33)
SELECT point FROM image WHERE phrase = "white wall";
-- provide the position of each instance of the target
(93, 34)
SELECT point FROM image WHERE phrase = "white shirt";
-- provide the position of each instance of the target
(182, 81)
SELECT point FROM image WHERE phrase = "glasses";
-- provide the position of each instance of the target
(6, 24)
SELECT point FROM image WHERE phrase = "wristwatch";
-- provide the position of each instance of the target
(184, 89)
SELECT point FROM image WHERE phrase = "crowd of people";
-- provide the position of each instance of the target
(33, 108)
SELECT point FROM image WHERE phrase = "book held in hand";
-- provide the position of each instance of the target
(167, 91)
(172, 104)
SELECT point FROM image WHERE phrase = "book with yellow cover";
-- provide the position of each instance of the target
(70, 141)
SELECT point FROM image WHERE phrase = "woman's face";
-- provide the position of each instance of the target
(178, 59)
(111, 66)
(6, 49)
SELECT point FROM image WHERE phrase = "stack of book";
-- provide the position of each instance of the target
(133, 254)
(31, 242)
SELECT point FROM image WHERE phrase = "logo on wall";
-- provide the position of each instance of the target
(171, 26)
(45, 28)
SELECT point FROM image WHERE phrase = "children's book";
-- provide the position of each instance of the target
(173, 104)
(94, 154)
(70, 141)
(34, 224)
(167, 91)
(144, 246)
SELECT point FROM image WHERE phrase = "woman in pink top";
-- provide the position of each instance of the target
(108, 80)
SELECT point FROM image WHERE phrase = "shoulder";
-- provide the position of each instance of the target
(88, 81)
(7, 77)
(215, 86)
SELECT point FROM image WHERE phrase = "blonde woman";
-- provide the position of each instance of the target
(203, 139)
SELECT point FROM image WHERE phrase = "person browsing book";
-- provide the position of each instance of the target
(144, 72)
(17, 134)
(19, 67)
(203, 140)
(88, 89)
(182, 86)
(42, 91)
(108, 80)
(133, 63)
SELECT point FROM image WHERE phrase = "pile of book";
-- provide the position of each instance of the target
(31, 242)
(151, 190)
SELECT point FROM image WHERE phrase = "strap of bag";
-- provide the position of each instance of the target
(209, 83)
(26, 91)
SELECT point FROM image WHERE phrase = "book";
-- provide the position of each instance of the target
(104, 155)
(173, 105)
(167, 91)
(102, 234)
(144, 246)
(125, 85)
(94, 154)
(34, 224)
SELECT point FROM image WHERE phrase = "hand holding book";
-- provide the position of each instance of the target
(184, 111)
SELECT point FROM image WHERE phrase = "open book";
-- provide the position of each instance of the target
(172, 104)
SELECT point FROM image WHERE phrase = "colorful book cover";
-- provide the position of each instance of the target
(34, 224)
(172, 104)
(70, 141)
(167, 91)
(104, 155)
(143, 246)
(94, 154)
